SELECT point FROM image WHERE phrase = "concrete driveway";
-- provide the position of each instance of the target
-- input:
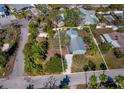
(68, 58)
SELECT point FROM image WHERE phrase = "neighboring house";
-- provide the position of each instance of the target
(60, 20)
(103, 13)
(7, 20)
(18, 7)
(119, 14)
(77, 45)
(3, 11)
(109, 18)
(100, 5)
(107, 38)
(116, 39)
(89, 16)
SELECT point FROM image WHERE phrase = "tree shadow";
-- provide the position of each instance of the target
(64, 82)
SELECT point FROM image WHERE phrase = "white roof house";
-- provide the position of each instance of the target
(113, 27)
(42, 34)
(118, 12)
(5, 47)
(107, 38)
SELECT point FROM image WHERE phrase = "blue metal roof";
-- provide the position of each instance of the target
(77, 44)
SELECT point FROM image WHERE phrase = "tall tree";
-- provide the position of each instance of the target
(103, 67)
(92, 66)
(85, 68)
(103, 78)
(93, 81)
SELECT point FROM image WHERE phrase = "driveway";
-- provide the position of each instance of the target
(68, 58)
(18, 69)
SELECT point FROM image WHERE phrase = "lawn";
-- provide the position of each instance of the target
(80, 60)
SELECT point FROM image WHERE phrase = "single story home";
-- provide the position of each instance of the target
(89, 16)
(77, 46)
(107, 38)
(109, 18)
(18, 7)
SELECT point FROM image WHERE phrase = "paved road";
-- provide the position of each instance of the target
(41, 81)
(18, 69)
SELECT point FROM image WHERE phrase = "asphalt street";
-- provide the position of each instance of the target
(42, 81)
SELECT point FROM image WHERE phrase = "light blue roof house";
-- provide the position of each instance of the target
(77, 45)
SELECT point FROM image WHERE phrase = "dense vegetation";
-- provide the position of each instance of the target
(36, 60)
(10, 35)
(72, 18)
(35, 53)
(54, 65)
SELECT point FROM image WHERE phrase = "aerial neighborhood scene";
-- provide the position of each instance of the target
(61, 46)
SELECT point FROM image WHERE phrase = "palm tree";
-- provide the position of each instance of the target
(103, 78)
(93, 81)
(85, 68)
(103, 67)
(92, 66)
(120, 80)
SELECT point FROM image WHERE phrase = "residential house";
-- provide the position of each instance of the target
(5, 47)
(77, 46)
(107, 38)
(89, 16)
(119, 14)
(60, 20)
(19, 7)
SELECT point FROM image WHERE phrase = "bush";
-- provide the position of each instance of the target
(118, 53)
